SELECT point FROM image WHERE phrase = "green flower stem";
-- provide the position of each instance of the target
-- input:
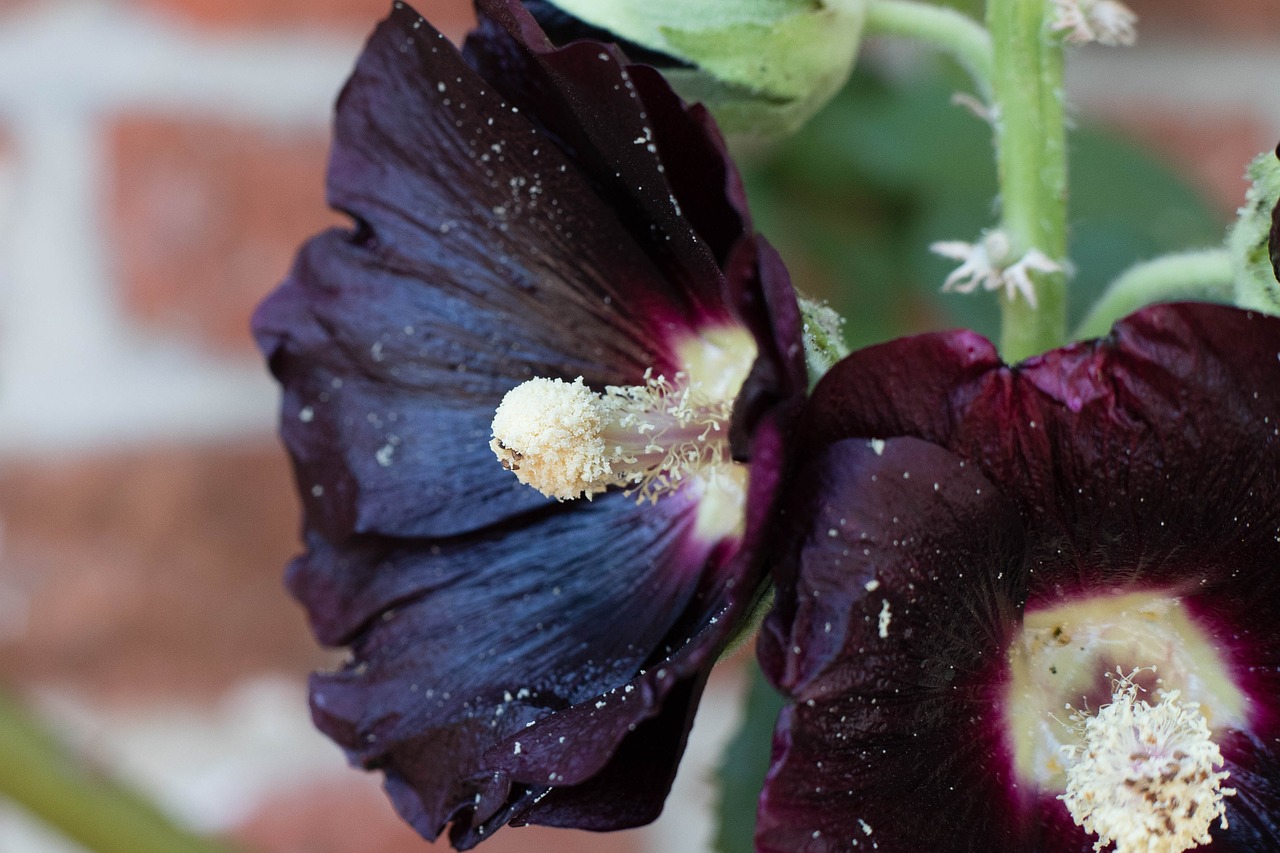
(39, 774)
(1205, 274)
(946, 29)
(1030, 133)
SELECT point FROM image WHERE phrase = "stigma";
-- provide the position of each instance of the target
(1143, 776)
(568, 441)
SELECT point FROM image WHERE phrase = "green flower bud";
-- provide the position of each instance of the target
(763, 67)
(1254, 241)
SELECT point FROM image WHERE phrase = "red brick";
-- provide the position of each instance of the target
(1194, 19)
(151, 573)
(453, 17)
(17, 6)
(355, 816)
(206, 217)
(1210, 150)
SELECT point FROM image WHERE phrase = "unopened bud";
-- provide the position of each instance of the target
(763, 67)
(1253, 241)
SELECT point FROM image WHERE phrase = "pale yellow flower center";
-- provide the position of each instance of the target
(1133, 757)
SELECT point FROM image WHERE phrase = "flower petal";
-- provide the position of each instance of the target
(1273, 240)
(483, 256)
(515, 659)
(663, 165)
(897, 602)
(757, 285)
(910, 386)
(1149, 460)
(409, 608)
(1098, 443)
(458, 645)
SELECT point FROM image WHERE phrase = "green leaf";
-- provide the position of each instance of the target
(1127, 206)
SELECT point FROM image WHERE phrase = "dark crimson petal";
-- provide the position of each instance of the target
(910, 386)
(663, 165)
(1254, 811)
(903, 578)
(757, 284)
(461, 644)
(1147, 460)
(677, 672)
(562, 27)
(1273, 242)
(484, 257)
(515, 659)
(631, 789)
(1098, 443)
(699, 173)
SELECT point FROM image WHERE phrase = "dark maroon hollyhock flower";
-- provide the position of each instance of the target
(1028, 609)
(527, 216)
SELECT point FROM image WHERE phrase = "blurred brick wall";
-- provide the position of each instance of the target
(1199, 88)
(159, 162)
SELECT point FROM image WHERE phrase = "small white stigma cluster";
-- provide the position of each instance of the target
(988, 263)
(1144, 775)
(568, 441)
(1108, 22)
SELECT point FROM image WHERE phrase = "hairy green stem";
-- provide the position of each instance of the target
(38, 773)
(1030, 133)
(950, 31)
(1205, 274)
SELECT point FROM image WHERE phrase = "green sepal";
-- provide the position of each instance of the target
(763, 67)
(1252, 241)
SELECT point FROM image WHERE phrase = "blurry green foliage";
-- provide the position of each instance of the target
(854, 200)
(743, 766)
(973, 8)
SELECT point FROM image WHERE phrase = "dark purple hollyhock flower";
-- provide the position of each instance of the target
(1028, 609)
(526, 213)
(1273, 239)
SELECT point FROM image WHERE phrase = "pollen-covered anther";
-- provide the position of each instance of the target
(568, 441)
(1144, 775)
